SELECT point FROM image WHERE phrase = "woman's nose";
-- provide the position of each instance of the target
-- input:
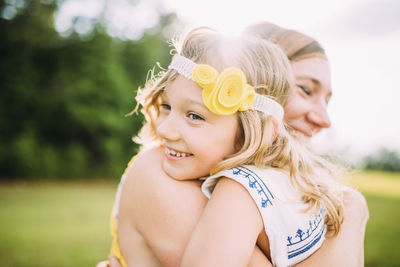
(168, 129)
(319, 115)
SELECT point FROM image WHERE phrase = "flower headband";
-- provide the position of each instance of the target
(226, 92)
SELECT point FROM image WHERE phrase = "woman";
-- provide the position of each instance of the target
(175, 217)
(306, 111)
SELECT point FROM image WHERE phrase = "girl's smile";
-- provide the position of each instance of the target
(176, 155)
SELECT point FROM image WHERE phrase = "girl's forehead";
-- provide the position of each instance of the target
(183, 88)
(185, 94)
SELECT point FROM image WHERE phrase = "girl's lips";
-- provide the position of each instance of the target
(176, 155)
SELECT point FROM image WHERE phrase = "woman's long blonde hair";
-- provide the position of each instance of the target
(268, 70)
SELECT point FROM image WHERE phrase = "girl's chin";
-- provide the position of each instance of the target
(175, 173)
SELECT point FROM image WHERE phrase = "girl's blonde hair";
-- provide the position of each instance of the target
(268, 70)
(296, 45)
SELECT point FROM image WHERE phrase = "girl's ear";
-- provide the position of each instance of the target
(239, 141)
(239, 138)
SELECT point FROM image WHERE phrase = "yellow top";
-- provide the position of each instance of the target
(115, 250)
(115, 245)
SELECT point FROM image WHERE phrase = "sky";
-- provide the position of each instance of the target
(361, 38)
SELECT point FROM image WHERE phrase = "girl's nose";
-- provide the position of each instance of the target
(167, 128)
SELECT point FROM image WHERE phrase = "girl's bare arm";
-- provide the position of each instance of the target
(227, 230)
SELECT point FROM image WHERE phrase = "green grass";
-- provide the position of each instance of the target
(383, 232)
(67, 223)
(55, 224)
(382, 191)
(378, 183)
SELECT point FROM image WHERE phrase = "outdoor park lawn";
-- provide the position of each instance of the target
(55, 223)
(66, 223)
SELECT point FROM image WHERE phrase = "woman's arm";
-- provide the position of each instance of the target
(347, 248)
(227, 230)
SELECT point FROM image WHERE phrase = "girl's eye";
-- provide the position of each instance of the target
(305, 90)
(194, 116)
(165, 106)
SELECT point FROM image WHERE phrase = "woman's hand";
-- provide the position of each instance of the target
(103, 264)
(112, 262)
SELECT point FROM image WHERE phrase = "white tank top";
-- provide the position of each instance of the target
(293, 235)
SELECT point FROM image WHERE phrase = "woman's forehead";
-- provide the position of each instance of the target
(316, 69)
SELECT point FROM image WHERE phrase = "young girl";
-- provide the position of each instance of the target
(201, 114)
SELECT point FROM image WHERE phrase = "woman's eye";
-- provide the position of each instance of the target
(305, 90)
(194, 116)
(165, 106)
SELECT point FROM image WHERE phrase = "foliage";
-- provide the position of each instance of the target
(63, 100)
(384, 159)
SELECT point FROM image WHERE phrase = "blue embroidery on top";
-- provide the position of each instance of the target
(309, 245)
(314, 225)
(255, 182)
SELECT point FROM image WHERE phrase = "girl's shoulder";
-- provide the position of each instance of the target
(135, 176)
(145, 162)
(146, 176)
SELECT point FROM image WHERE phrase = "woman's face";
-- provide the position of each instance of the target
(306, 109)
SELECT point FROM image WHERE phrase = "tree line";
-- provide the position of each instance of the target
(64, 100)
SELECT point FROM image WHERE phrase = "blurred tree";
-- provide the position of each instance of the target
(384, 159)
(63, 101)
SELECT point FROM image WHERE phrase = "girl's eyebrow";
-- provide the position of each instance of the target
(164, 95)
(190, 101)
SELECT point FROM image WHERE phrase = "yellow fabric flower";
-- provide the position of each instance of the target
(229, 93)
(248, 99)
(205, 76)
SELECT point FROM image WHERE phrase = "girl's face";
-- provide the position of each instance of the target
(306, 111)
(195, 139)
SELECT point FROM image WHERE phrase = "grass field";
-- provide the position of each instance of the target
(55, 224)
(66, 223)
(382, 191)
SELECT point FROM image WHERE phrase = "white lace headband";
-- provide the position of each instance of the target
(216, 93)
